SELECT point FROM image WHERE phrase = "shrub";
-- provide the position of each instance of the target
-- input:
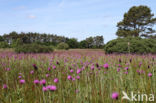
(33, 48)
(1, 39)
(73, 43)
(63, 46)
(136, 45)
(16, 43)
(4, 45)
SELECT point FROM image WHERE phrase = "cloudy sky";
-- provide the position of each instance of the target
(70, 18)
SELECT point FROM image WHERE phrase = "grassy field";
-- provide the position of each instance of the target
(75, 76)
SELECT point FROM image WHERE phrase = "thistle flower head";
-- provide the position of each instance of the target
(106, 66)
(36, 81)
(69, 77)
(56, 80)
(43, 82)
(5, 86)
(115, 95)
(149, 74)
(35, 67)
(22, 81)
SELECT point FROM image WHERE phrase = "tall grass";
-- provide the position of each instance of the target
(96, 83)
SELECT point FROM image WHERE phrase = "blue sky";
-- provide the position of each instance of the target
(70, 18)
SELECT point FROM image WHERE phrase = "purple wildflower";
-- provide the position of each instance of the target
(43, 82)
(36, 81)
(35, 67)
(44, 89)
(69, 77)
(5, 86)
(54, 67)
(22, 81)
(149, 74)
(52, 88)
(56, 80)
(106, 66)
(115, 95)
(32, 72)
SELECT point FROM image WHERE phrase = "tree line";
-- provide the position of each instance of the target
(50, 39)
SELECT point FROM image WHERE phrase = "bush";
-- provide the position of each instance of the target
(63, 46)
(136, 45)
(16, 43)
(1, 39)
(33, 48)
(73, 43)
(4, 45)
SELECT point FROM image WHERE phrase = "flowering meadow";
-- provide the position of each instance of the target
(74, 76)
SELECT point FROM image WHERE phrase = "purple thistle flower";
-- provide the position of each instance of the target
(115, 95)
(119, 60)
(106, 66)
(52, 88)
(48, 86)
(43, 82)
(149, 74)
(118, 70)
(105, 72)
(148, 66)
(71, 71)
(57, 63)
(54, 67)
(56, 80)
(44, 89)
(69, 77)
(126, 72)
(78, 77)
(92, 67)
(19, 77)
(73, 79)
(78, 71)
(130, 60)
(82, 68)
(49, 69)
(22, 81)
(36, 81)
(97, 65)
(138, 71)
(142, 71)
(126, 68)
(7, 69)
(32, 72)
(5, 86)
(47, 75)
(35, 67)
(119, 65)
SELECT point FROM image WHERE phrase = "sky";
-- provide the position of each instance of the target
(70, 18)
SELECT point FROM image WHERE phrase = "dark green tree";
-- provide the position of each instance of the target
(90, 42)
(1, 38)
(98, 41)
(138, 21)
(73, 43)
(63, 45)
(16, 43)
(83, 44)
